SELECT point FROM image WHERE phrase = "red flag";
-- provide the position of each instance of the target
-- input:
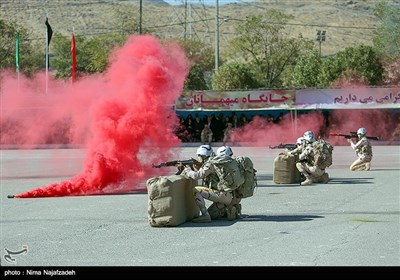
(73, 54)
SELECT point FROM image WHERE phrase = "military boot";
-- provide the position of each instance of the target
(324, 178)
(215, 212)
(231, 213)
(306, 182)
(239, 210)
(205, 218)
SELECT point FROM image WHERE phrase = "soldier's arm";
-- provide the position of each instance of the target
(203, 172)
(306, 152)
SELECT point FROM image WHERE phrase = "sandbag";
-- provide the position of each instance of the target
(171, 201)
(285, 170)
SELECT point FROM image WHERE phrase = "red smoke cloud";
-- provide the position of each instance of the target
(125, 117)
(378, 122)
(126, 120)
(259, 132)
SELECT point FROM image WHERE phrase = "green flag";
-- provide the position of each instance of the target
(17, 52)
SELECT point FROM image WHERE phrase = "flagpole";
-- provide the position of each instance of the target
(49, 34)
(47, 55)
(73, 56)
(17, 41)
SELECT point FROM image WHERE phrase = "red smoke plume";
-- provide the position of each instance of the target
(125, 116)
(259, 132)
(126, 119)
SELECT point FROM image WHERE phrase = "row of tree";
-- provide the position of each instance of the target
(260, 55)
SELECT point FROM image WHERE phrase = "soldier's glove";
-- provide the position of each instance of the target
(196, 164)
(180, 167)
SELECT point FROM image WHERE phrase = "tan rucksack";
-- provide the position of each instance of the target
(250, 180)
(322, 153)
(228, 172)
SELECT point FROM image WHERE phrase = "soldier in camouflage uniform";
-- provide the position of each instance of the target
(217, 187)
(363, 150)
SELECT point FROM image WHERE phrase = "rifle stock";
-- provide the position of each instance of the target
(353, 134)
(187, 162)
(284, 146)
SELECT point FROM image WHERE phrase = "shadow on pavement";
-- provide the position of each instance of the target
(278, 218)
(264, 177)
(254, 218)
(352, 181)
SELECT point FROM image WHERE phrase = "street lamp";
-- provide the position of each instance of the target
(321, 36)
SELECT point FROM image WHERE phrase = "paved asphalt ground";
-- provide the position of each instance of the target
(351, 221)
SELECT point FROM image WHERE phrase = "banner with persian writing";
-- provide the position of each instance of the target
(236, 100)
(348, 98)
(351, 98)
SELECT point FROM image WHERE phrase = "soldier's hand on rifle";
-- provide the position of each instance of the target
(180, 167)
(196, 164)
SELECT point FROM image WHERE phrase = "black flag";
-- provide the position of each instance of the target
(49, 31)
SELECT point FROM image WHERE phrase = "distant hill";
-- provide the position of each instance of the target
(346, 22)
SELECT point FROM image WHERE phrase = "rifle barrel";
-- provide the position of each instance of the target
(173, 163)
(354, 135)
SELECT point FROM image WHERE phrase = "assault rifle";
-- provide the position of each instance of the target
(284, 146)
(188, 162)
(353, 134)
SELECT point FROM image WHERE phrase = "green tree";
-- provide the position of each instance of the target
(392, 72)
(387, 35)
(31, 56)
(306, 71)
(262, 41)
(196, 80)
(91, 55)
(199, 53)
(61, 62)
(363, 60)
(202, 58)
(235, 75)
(348, 78)
(387, 40)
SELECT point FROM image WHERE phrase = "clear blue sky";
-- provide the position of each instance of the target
(207, 2)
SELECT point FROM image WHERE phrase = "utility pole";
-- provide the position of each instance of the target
(140, 16)
(216, 35)
(185, 21)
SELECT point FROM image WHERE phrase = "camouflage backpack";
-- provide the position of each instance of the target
(250, 180)
(322, 153)
(228, 172)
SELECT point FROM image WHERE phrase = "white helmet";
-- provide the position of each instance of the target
(204, 151)
(225, 151)
(361, 131)
(309, 136)
(299, 140)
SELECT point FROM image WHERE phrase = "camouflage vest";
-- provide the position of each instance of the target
(366, 148)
